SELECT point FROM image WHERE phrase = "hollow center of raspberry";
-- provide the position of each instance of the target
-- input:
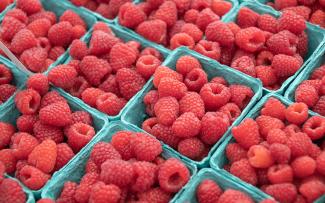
(208, 48)
(315, 125)
(193, 77)
(175, 179)
(33, 104)
(246, 100)
(216, 90)
(83, 130)
(147, 61)
(298, 109)
(257, 39)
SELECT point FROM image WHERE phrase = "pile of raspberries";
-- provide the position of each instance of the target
(282, 152)
(6, 87)
(10, 190)
(108, 73)
(312, 91)
(312, 10)
(48, 134)
(258, 45)
(36, 37)
(190, 113)
(128, 169)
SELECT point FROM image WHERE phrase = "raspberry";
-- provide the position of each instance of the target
(244, 64)
(281, 173)
(103, 151)
(79, 134)
(221, 7)
(60, 34)
(6, 75)
(274, 108)
(9, 27)
(151, 51)
(28, 101)
(23, 144)
(193, 31)
(245, 37)
(57, 114)
(145, 174)
(29, 6)
(209, 49)
(7, 91)
(8, 159)
(18, 14)
(40, 27)
(110, 85)
(208, 191)
(44, 156)
(297, 113)
(231, 195)
(264, 58)
(73, 18)
(243, 170)
(314, 127)
(247, 18)
(33, 178)
(191, 15)
(280, 153)
(91, 167)
(90, 95)
(220, 32)
(240, 95)
(63, 76)
(234, 152)
(82, 117)
(43, 132)
(299, 144)
(167, 12)
(283, 192)
(102, 42)
(155, 195)
(148, 124)
(302, 46)
(153, 30)
(105, 193)
(166, 109)
(259, 157)
(185, 64)
(283, 42)
(150, 99)
(206, 17)
(281, 4)
(187, 125)
(79, 86)
(284, 65)
(131, 15)
(11, 191)
(213, 127)
(319, 106)
(38, 82)
(64, 155)
(276, 136)
(191, 147)
(34, 59)
(292, 22)
(267, 123)
(145, 148)
(171, 87)
(318, 18)
(315, 151)
(83, 190)
(101, 26)
(268, 23)
(182, 39)
(7, 130)
(121, 141)
(192, 102)
(306, 94)
(130, 82)
(215, 95)
(117, 172)
(266, 74)
(165, 134)
(22, 41)
(78, 31)
(303, 166)
(146, 65)
(170, 169)
(312, 189)
(247, 133)
(318, 73)
(163, 71)
(300, 10)
(320, 163)
(78, 49)
(43, 14)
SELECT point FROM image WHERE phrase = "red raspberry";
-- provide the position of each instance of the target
(281, 153)
(192, 148)
(231, 195)
(155, 195)
(165, 134)
(7, 130)
(90, 95)
(259, 157)
(28, 101)
(6, 75)
(281, 4)
(167, 12)
(38, 82)
(247, 18)
(83, 190)
(266, 74)
(168, 170)
(79, 86)
(303, 166)
(281, 173)
(320, 163)
(104, 193)
(209, 49)
(208, 191)
(285, 66)
(57, 114)
(283, 192)
(162, 72)
(193, 31)
(234, 152)
(215, 95)
(103, 151)
(102, 27)
(312, 189)
(243, 170)
(43, 14)
(185, 64)
(153, 30)
(192, 102)
(300, 10)
(91, 167)
(145, 147)
(221, 7)
(206, 17)
(315, 151)
(166, 109)
(314, 127)
(299, 144)
(64, 155)
(35, 59)
(51, 98)
(121, 141)
(319, 106)
(274, 108)
(9, 27)
(191, 15)
(7, 91)
(18, 14)
(29, 6)
(73, 18)
(244, 39)
(276, 136)
(247, 133)
(317, 84)
(292, 22)
(23, 144)
(302, 46)
(307, 94)
(117, 172)
(78, 49)
(146, 174)
(33, 178)
(264, 58)
(244, 64)
(318, 18)
(146, 65)
(11, 191)
(102, 42)
(268, 23)
(82, 117)
(22, 41)
(79, 134)
(43, 132)
(8, 159)
(60, 34)
(148, 124)
(283, 42)
(220, 32)
(130, 82)
(131, 15)
(151, 51)
(297, 113)
(268, 123)
(44, 156)
(110, 85)
(182, 39)
(213, 127)
(40, 27)
(187, 125)
(150, 99)
(240, 95)
(171, 87)
(318, 73)
(63, 76)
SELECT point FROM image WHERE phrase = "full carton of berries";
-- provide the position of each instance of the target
(41, 131)
(39, 32)
(279, 148)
